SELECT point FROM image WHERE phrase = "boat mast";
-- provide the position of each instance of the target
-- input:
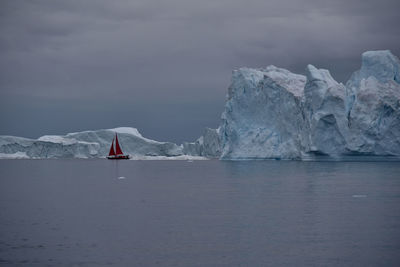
(112, 151)
(118, 150)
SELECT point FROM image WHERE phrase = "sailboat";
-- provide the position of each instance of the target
(117, 153)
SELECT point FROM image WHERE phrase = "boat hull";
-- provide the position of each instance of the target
(118, 157)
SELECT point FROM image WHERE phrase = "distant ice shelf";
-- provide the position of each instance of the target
(87, 144)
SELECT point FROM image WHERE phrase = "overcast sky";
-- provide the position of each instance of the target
(164, 66)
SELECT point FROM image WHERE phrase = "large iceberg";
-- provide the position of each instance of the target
(273, 113)
(263, 115)
(87, 144)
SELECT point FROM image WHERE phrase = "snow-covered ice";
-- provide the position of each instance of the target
(87, 144)
(16, 155)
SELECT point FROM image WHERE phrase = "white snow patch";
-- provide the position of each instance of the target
(135, 132)
(57, 139)
(127, 130)
(181, 157)
(17, 155)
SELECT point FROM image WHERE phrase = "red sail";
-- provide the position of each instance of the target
(117, 148)
(112, 152)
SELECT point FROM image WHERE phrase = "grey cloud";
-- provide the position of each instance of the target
(168, 61)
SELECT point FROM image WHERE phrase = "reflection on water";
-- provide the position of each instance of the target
(201, 213)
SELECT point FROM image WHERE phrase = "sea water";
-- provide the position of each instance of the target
(200, 213)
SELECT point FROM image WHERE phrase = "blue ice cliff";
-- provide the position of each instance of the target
(270, 113)
(273, 113)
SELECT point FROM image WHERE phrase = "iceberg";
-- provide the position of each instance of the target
(325, 111)
(272, 113)
(87, 144)
(263, 115)
(208, 145)
(374, 113)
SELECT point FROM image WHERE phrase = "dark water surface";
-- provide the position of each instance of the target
(202, 213)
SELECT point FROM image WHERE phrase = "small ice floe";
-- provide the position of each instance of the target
(121, 177)
(190, 160)
(359, 196)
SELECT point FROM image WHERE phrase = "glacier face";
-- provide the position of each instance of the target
(273, 113)
(87, 144)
